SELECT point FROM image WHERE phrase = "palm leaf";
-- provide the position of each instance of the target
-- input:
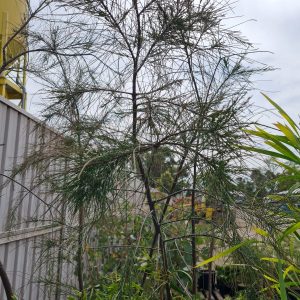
(283, 113)
(273, 260)
(225, 253)
(266, 152)
(261, 232)
(287, 167)
(289, 155)
(291, 229)
(289, 269)
(283, 294)
(289, 134)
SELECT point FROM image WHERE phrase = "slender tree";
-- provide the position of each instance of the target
(123, 80)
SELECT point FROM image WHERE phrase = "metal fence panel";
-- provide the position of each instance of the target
(25, 228)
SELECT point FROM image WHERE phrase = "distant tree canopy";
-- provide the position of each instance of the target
(262, 182)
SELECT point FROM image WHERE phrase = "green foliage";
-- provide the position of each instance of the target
(109, 288)
(232, 275)
(280, 261)
(162, 165)
(285, 144)
(225, 253)
(259, 184)
(217, 183)
(94, 176)
(165, 181)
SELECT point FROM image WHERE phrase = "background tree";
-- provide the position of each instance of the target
(162, 167)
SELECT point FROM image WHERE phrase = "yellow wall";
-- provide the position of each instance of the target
(12, 15)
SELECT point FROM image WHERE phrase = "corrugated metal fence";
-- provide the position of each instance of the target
(26, 222)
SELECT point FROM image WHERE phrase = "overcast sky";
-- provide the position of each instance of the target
(276, 29)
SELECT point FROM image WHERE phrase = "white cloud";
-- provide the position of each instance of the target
(276, 29)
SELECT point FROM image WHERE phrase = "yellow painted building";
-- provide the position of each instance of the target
(13, 45)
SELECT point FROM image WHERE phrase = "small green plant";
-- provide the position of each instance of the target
(280, 267)
(109, 288)
(285, 151)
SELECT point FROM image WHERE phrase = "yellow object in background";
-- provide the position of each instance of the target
(200, 207)
(13, 79)
(209, 213)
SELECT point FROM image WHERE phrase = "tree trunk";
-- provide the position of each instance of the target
(80, 251)
(6, 283)
(193, 240)
(210, 277)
